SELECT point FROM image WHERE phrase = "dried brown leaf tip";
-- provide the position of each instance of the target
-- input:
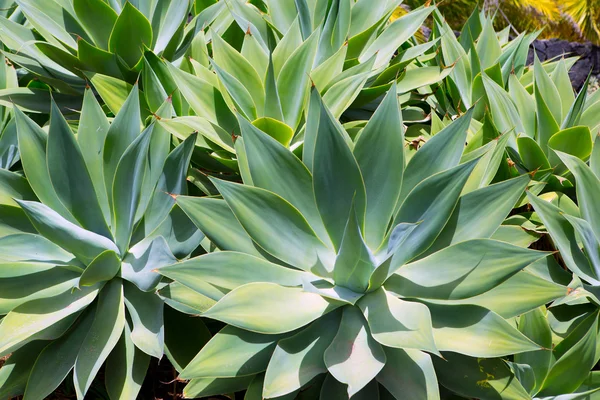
(416, 143)
(510, 162)
(234, 137)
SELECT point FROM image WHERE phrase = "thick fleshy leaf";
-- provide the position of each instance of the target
(30, 247)
(97, 18)
(32, 148)
(293, 80)
(563, 236)
(476, 332)
(91, 134)
(121, 133)
(146, 312)
(107, 328)
(14, 186)
(502, 108)
(337, 180)
(126, 368)
(454, 54)
(409, 374)
(84, 244)
(127, 187)
(70, 176)
(469, 268)
(576, 141)
(215, 219)
(185, 335)
(130, 34)
(479, 213)
(142, 260)
(57, 360)
(379, 151)
(547, 90)
(535, 326)
(203, 387)
(273, 167)
(429, 205)
(480, 378)
(16, 370)
(232, 352)
(446, 148)
(570, 370)
(269, 308)
(394, 35)
(33, 319)
(354, 263)
(113, 91)
(588, 189)
(102, 268)
(354, 357)
(398, 323)
(287, 237)
(239, 95)
(228, 270)
(298, 359)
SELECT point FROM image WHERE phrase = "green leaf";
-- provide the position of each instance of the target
(524, 103)
(142, 260)
(446, 148)
(455, 55)
(232, 353)
(299, 358)
(98, 19)
(103, 268)
(287, 237)
(57, 360)
(379, 152)
(215, 219)
(394, 35)
(107, 328)
(240, 69)
(32, 148)
(32, 320)
(479, 213)
(337, 180)
(502, 108)
(354, 263)
(429, 205)
(563, 236)
(545, 89)
(130, 34)
(146, 312)
(175, 15)
(185, 335)
(127, 188)
(273, 167)
(84, 244)
(276, 129)
(16, 370)
(121, 133)
(409, 374)
(241, 97)
(573, 114)
(475, 331)
(488, 47)
(228, 270)
(30, 247)
(576, 141)
(570, 370)
(398, 323)
(470, 268)
(126, 368)
(14, 186)
(269, 308)
(70, 176)
(293, 80)
(113, 91)
(354, 357)
(535, 326)
(531, 153)
(202, 387)
(93, 127)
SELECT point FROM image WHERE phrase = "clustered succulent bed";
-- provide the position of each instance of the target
(292, 199)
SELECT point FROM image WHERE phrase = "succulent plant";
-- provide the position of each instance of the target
(346, 270)
(82, 233)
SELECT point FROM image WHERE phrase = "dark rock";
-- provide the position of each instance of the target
(589, 57)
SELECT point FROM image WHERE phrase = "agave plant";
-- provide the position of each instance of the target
(574, 232)
(267, 81)
(343, 272)
(9, 154)
(81, 237)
